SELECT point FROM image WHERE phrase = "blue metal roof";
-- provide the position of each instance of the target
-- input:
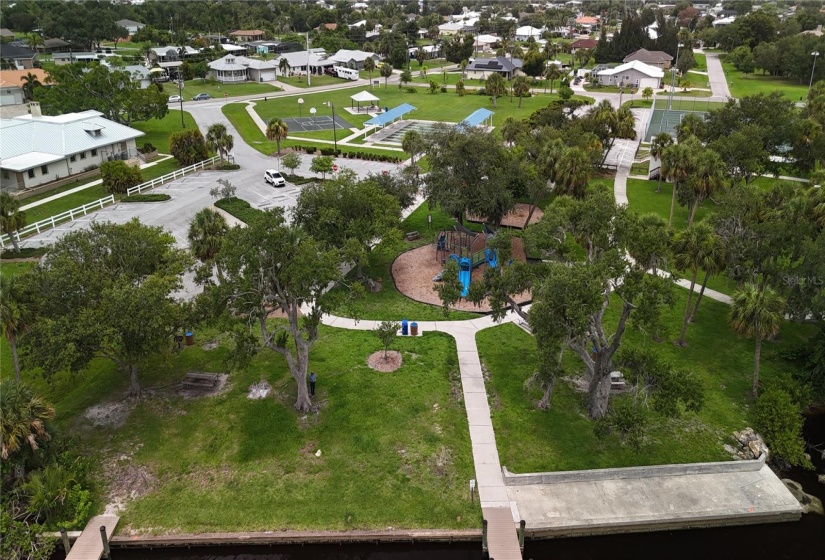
(391, 115)
(478, 117)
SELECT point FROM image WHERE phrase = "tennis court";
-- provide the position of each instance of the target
(663, 120)
(315, 124)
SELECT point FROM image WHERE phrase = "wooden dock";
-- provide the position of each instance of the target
(502, 540)
(89, 545)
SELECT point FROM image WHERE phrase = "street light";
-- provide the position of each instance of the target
(300, 104)
(180, 98)
(673, 78)
(813, 54)
(331, 105)
(312, 115)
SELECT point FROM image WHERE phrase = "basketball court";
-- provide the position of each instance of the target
(315, 124)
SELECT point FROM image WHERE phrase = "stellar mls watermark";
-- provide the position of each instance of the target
(800, 280)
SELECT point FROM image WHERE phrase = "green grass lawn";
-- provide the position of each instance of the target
(395, 448)
(12, 269)
(742, 85)
(561, 438)
(317, 81)
(640, 168)
(643, 198)
(217, 90)
(389, 303)
(701, 62)
(157, 131)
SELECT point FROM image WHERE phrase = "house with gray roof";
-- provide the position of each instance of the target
(480, 68)
(130, 25)
(232, 68)
(39, 149)
(659, 59)
(353, 59)
(17, 57)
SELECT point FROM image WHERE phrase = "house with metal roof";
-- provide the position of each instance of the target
(480, 68)
(659, 59)
(130, 25)
(353, 59)
(232, 68)
(39, 149)
(300, 62)
(634, 74)
(170, 53)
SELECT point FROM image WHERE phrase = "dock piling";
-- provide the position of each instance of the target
(66, 545)
(106, 552)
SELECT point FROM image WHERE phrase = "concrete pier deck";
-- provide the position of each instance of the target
(639, 499)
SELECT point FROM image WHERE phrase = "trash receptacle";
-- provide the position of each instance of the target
(190, 338)
(413, 329)
(403, 327)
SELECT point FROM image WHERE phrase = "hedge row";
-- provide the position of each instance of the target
(23, 253)
(239, 208)
(146, 198)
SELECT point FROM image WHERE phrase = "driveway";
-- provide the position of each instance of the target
(716, 78)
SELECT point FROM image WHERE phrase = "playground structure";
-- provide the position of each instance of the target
(468, 249)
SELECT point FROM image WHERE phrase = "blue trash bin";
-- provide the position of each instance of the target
(404, 326)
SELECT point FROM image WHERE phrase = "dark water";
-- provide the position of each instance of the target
(803, 540)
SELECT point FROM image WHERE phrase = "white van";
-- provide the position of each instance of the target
(346, 73)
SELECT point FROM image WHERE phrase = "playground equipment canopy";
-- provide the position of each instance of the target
(479, 116)
(363, 97)
(390, 116)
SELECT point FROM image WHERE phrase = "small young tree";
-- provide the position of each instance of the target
(11, 217)
(495, 86)
(779, 419)
(565, 92)
(459, 88)
(322, 165)
(386, 72)
(188, 147)
(521, 87)
(433, 86)
(369, 66)
(405, 78)
(387, 332)
(118, 177)
(291, 161)
(225, 190)
(647, 93)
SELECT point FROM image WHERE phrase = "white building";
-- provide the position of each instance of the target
(130, 25)
(299, 62)
(633, 74)
(233, 68)
(353, 59)
(37, 149)
(525, 32)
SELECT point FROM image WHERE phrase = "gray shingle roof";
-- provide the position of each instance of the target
(498, 64)
(13, 51)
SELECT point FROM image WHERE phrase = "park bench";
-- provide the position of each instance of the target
(200, 380)
(412, 236)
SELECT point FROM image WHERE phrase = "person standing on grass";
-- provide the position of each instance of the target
(312, 384)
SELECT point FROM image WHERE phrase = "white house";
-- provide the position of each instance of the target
(353, 59)
(450, 28)
(232, 68)
(170, 54)
(299, 62)
(129, 25)
(37, 149)
(632, 74)
(525, 32)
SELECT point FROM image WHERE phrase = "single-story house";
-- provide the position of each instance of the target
(327, 27)
(299, 62)
(11, 85)
(486, 42)
(583, 44)
(815, 32)
(480, 68)
(233, 68)
(451, 28)
(525, 32)
(353, 59)
(54, 45)
(430, 51)
(234, 49)
(62, 58)
(247, 35)
(18, 57)
(632, 74)
(169, 53)
(218, 38)
(587, 22)
(140, 75)
(38, 149)
(6, 33)
(272, 46)
(130, 25)
(659, 59)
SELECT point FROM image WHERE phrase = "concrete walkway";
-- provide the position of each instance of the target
(716, 78)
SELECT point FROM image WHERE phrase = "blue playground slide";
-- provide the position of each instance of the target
(492, 257)
(465, 268)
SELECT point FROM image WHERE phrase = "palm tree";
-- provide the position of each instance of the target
(11, 217)
(521, 87)
(283, 66)
(16, 315)
(206, 233)
(369, 66)
(510, 130)
(23, 418)
(690, 250)
(660, 143)
(495, 86)
(35, 41)
(218, 139)
(276, 130)
(573, 172)
(759, 314)
(714, 259)
(412, 143)
(709, 178)
(463, 65)
(30, 82)
(551, 74)
(647, 93)
(386, 72)
(677, 162)
(690, 125)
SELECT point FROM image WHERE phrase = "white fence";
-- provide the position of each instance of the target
(49, 223)
(172, 176)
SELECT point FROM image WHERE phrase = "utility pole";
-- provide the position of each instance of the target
(309, 81)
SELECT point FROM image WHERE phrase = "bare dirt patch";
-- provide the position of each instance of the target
(127, 481)
(389, 364)
(110, 415)
(414, 270)
(516, 217)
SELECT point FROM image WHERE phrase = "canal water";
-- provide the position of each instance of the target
(803, 540)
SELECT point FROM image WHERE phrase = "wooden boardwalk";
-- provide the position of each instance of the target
(502, 540)
(89, 545)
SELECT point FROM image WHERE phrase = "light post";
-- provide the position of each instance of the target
(312, 115)
(811, 83)
(621, 93)
(673, 78)
(180, 98)
(331, 105)
(300, 105)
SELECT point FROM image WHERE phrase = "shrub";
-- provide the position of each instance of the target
(239, 208)
(118, 177)
(91, 167)
(146, 198)
(411, 89)
(779, 419)
(481, 91)
(443, 88)
(23, 253)
(188, 147)
(228, 167)
(147, 148)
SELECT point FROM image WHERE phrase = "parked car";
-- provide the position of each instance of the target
(274, 178)
(201, 97)
(175, 99)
